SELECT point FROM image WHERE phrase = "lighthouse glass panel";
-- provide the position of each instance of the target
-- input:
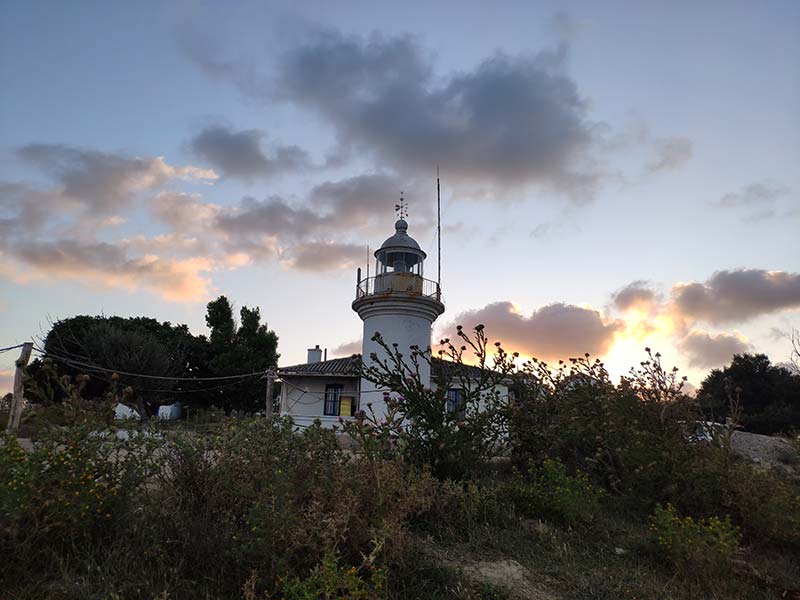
(399, 262)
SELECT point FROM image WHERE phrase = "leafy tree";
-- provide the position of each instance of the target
(768, 395)
(96, 345)
(249, 348)
(219, 319)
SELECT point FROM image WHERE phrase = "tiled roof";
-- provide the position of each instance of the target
(338, 366)
(348, 367)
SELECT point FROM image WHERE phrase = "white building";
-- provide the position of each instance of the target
(397, 302)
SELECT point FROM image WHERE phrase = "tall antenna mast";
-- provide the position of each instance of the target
(439, 228)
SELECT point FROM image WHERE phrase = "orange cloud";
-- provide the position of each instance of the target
(107, 265)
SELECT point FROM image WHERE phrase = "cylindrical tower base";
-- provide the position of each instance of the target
(402, 320)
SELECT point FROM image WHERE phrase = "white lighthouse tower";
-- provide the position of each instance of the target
(397, 302)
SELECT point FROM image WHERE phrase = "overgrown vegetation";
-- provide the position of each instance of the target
(593, 489)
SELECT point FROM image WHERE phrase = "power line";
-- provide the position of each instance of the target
(77, 363)
(11, 348)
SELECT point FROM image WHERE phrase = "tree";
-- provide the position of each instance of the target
(250, 348)
(100, 345)
(768, 395)
(111, 349)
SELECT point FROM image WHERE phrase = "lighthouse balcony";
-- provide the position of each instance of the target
(401, 284)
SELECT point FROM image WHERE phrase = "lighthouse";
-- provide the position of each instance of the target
(397, 302)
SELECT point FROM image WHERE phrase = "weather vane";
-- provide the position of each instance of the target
(402, 208)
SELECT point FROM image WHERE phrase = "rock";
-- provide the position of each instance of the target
(768, 452)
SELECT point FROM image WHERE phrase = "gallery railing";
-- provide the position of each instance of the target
(405, 283)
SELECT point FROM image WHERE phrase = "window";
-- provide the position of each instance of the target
(455, 402)
(333, 393)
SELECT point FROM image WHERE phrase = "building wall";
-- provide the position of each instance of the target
(304, 397)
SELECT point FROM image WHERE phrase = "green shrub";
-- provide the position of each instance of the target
(199, 516)
(550, 492)
(329, 581)
(628, 437)
(67, 487)
(453, 444)
(693, 543)
(768, 506)
(461, 510)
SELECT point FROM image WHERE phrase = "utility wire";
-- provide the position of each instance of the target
(11, 348)
(77, 363)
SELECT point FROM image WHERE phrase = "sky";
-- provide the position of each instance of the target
(614, 175)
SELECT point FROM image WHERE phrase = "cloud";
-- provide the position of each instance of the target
(753, 195)
(324, 256)
(708, 350)
(23, 208)
(670, 153)
(184, 212)
(637, 294)
(554, 331)
(739, 295)
(101, 182)
(108, 265)
(509, 121)
(240, 153)
(271, 216)
(332, 210)
(347, 349)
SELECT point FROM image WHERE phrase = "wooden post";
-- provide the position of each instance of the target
(17, 399)
(271, 374)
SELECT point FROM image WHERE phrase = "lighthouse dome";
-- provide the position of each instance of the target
(401, 240)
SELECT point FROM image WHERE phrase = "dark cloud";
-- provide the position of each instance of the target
(367, 202)
(240, 153)
(316, 234)
(324, 256)
(733, 296)
(512, 120)
(102, 182)
(333, 210)
(24, 209)
(670, 153)
(753, 195)
(271, 216)
(551, 332)
(637, 294)
(708, 350)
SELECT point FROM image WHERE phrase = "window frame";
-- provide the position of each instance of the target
(333, 394)
(454, 402)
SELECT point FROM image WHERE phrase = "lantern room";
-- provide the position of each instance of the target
(400, 253)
